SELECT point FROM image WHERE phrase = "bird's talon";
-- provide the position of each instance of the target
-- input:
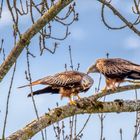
(72, 103)
(114, 88)
(104, 90)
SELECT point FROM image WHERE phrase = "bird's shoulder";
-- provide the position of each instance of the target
(115, 61)
(69, 74)
(114, 65)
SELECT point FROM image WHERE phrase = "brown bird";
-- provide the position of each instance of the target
(68, 84)
(115, 70)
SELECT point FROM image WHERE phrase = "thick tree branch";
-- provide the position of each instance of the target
(86, 105)
(120, 89)
(28, 35)
(116, 12)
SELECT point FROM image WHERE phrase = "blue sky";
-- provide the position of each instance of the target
(89, 40)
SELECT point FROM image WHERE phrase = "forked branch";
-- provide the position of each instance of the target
(120, 16)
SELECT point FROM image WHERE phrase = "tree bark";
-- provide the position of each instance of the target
(29, 34)
(86, 105)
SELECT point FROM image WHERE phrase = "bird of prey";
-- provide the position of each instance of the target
(68, 84)
(115, 70)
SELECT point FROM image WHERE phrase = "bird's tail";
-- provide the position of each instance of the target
(135, 73)
(48, 89)
(32, 84)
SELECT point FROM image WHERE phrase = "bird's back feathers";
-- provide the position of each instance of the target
(59, 79)
(69, 81)
(118, 68)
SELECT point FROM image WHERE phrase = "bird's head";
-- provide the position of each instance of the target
(92, 69)
(87, 82)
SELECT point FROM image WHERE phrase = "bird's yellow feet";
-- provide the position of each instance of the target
(104, 90)
(72, 102)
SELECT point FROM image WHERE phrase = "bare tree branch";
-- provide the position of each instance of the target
(120, 16)
(28, 35)
(86, 105)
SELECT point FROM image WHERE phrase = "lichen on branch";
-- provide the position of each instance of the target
(88, 105)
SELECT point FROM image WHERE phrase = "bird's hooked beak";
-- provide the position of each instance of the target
(92, 69)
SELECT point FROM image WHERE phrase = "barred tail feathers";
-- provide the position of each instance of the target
(32, 84)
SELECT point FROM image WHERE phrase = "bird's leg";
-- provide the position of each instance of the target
(119, 82)
(78, 96)
(113, 83)
(72, 102)
(106, 87)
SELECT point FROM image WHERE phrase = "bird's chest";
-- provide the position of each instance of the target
(67, 92)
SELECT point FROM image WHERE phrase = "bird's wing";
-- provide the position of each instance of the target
(119, 68)
(63, 79)
(60, 79)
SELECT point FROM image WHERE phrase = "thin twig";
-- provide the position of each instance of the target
(120, 16)
(121, 134)
(7, 103)
(71, 60)
(30, 81)
(85, 124)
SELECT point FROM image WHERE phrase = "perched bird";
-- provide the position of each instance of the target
(68, 84)
(115, 70)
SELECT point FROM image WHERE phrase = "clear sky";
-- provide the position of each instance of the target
(89, 40)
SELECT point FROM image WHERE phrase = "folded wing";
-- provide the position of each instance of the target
(61, 79)
(121, 68)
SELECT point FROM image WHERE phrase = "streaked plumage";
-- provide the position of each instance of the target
(115, 70)
(68, 84)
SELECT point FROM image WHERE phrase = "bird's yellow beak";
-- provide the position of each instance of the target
(88, 71)
(92, 69)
